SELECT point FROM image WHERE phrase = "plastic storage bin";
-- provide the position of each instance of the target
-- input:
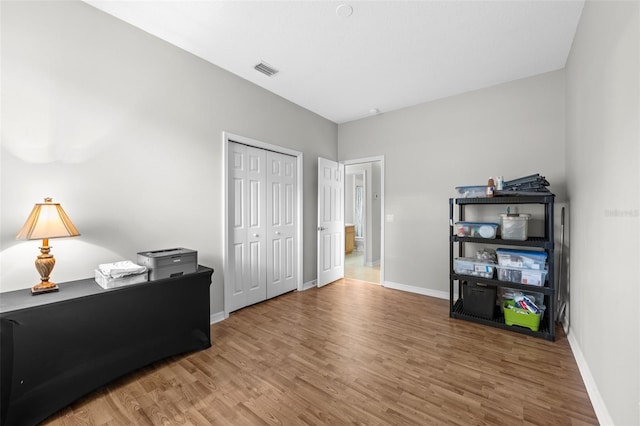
(521, 317)
(506, 293)
(472, 191)
(513, 274)
(479, 300)
(514, 226)
(521, 258)
(473, 267)
(476, 229)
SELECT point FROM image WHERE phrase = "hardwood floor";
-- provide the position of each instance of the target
(350, 352)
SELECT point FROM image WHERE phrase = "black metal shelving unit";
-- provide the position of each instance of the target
(456, 308)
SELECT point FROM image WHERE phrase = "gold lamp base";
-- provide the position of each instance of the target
(44, 287)
(44, 264)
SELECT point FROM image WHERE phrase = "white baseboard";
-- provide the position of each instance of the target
(419, 290)
(217, 317)
(308, 285)
(604, 418)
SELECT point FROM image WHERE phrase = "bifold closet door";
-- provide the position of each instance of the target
(263, 221)
(247, 253)
(281, 223)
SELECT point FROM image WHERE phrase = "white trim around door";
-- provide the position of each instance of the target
(226, 139)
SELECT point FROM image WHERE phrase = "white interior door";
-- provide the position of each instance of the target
(281, 224)
(330, 221)
(248, 249)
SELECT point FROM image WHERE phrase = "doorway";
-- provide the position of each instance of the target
(364, 211)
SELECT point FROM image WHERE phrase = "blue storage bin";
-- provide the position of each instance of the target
(526, 259)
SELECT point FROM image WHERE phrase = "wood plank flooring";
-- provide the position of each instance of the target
(349, 353)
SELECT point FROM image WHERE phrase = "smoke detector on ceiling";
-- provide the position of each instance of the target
(266, 69)
(344, 10)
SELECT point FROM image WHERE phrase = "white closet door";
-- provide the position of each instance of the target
(281, 224)
(248, 251)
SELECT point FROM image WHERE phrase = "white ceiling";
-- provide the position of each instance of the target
(387, 55)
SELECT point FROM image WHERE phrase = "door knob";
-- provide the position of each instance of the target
(321, 228)
(256, 235)
(277, 232)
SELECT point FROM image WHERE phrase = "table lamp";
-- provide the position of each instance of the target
(47, 220)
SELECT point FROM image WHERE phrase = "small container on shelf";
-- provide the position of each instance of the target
(478, 300)
(476, 229)
(530, 259)
(522, 317)
(472, 191)
(513, 274)
(473, 267)
(514, 226)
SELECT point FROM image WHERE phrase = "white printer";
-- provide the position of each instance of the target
(169, 262)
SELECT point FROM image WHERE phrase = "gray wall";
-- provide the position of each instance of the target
(513, 129)
(349, 197)
(603, 181)
(125, 131)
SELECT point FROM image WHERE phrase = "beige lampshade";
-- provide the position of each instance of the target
(47, 220)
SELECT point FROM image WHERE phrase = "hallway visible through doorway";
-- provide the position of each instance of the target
(354, 267)
(363, 213)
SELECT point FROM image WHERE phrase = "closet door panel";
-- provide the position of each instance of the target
(238, 232)
(248, 251)
(281, 204)
(256, 238)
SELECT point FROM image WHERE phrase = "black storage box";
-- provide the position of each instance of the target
(479, 300)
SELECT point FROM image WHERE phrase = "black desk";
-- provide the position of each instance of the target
(57, 347)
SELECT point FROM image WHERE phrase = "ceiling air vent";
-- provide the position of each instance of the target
(265, 69)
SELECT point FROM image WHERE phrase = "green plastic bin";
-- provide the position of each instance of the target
(521, 317)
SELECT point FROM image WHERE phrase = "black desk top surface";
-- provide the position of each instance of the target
(23, 299)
